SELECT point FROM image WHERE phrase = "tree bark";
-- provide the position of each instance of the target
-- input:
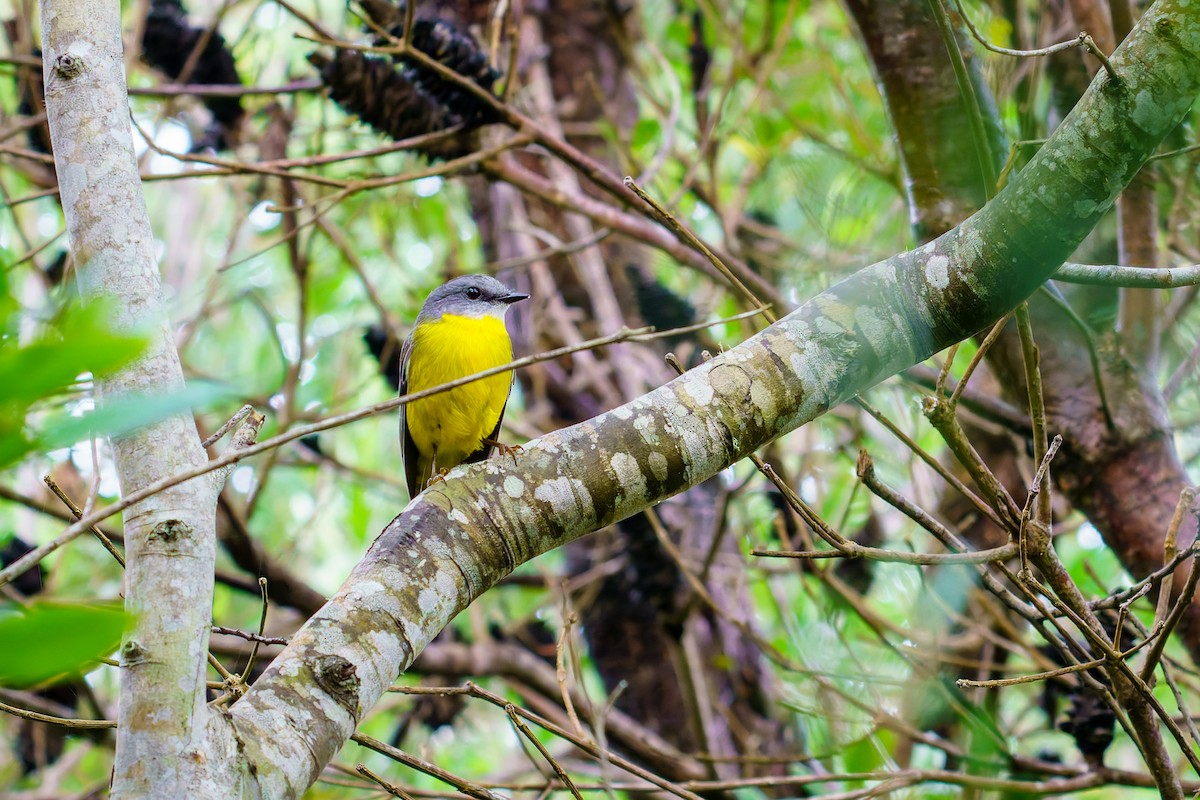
(461, 536)
(634, 619)
(455, 541)
(927, 111)
(170, 538)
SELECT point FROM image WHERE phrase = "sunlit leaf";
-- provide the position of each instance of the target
(81, 342)
(51, 640)
(126, 414)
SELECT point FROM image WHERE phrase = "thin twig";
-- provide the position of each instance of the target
(394, 791)
(939, 386)
(242, 413)
(977, 359)
(524, 730)
(78, 513)
(262, 624)
(1117, 598)
(682, 231)
(1083, 40)
(1040, 479)
(1044, 676)
(944, 473)
(77, 724)
(469, 788)
(227, 459)
(941, 415)
(223, 89)
(592, 749)
(1167, 624)
(250, 637)
(1129, 277)
(866, 473)
(855, 550)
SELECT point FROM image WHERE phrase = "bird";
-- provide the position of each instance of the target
(460, 331)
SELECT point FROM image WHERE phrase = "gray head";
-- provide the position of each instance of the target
(469, 296)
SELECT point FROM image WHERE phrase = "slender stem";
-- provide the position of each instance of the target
(966, 86)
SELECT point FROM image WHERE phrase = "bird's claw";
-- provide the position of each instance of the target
(438, 477)
(513, 450)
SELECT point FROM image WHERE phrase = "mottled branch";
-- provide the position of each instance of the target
(460, 537)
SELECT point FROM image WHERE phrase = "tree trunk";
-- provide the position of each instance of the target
(170, 537)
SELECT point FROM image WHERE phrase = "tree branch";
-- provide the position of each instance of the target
(458, 538)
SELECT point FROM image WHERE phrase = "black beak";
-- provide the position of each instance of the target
(514, 297)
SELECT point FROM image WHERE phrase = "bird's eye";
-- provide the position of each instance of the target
(473, 293)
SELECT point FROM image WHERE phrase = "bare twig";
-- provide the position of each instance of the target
(1129, 277)
(77, 724)
(78, 513)
(262, 624)
(524, 730)
(1082, 40)
(250, 637)
(977, 359)
(227, 459)
(469, 788)
(394, 791)
(686, 235)
(233, 421)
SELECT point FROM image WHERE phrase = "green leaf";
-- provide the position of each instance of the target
(52, 640)
(862, 755)
(126, 414)
(646, 132)
(80, 342)
(8, 305)
(13, 445)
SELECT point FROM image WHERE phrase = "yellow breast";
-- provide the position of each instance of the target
(454, 423)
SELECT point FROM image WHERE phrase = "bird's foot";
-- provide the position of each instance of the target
(513, 450)
(438, 477)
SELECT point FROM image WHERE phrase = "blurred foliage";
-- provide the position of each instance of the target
(40, 372)
(45, 406)
(49, 641)
(804, 146)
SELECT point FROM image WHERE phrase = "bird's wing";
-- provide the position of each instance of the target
(408, 448)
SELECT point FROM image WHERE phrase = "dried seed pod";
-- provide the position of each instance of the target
(1090, 723)
(450, 47)
(404, 98)
(31, 101)
(384, 98)
(167, 45)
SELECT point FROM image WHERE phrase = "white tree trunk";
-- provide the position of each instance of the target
(170, 538)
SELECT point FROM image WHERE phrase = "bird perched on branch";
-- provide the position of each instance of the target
(459, 332)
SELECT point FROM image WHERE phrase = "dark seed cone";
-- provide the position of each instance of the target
(168, 42)
(448, 46)
(388, 101)
(56, 270)
(658, 305)
(1091, 724)
(403, 98)
(31, 102)
(1088, 720)
(386, 350)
